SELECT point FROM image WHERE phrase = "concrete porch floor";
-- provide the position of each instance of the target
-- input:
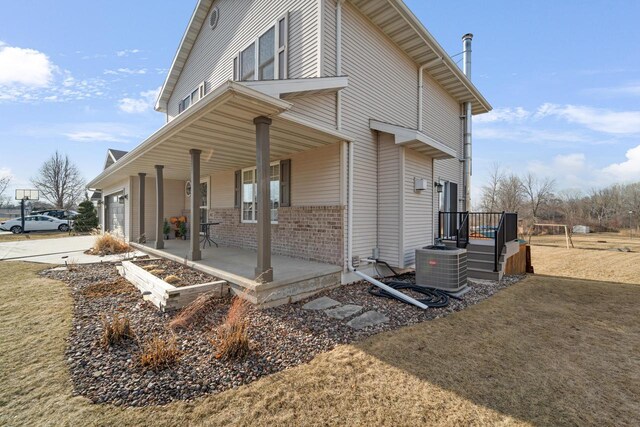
(293, 278)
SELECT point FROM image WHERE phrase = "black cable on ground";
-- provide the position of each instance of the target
(434, 298)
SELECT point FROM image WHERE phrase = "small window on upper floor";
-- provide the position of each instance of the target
(264, 58)
(195, 96)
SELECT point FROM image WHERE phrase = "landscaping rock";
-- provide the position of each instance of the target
(343, 311)
(280, 337)
(320, 304)
(370, 318)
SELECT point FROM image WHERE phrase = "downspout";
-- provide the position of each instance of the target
(339, 62)
(468, 112)
(421, 86)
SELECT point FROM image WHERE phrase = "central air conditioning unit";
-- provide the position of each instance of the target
(442, 268)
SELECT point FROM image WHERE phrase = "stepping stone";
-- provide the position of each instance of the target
(321, 303)
(343, 311)
(370, 318)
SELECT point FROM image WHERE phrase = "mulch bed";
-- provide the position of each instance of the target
(187, 275)
(281, 337)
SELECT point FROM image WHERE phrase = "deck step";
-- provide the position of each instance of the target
(480, 264)
(475, 273)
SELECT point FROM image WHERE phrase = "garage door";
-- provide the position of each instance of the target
(115, 214)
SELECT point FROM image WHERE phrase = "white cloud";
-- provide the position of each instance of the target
(142, 104)
(630, 89)
(127, 52)
(29, 76)
(6, 172)
(92, 136)
(130, 71)
(570, 163)
(24, 67)
(597, 119)
(627, 170)
(508, 115)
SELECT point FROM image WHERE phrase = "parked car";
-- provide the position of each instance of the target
(35, 223)
(57, 213)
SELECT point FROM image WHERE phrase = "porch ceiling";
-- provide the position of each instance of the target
(221, 125)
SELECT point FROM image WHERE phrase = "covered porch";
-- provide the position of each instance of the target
(293, 278)
(230, 128)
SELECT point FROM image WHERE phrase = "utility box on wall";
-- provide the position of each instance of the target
(420, 184)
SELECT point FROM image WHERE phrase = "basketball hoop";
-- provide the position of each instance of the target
(27, 194)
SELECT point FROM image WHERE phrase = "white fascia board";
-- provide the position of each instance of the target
(405, 135)
(277, 88)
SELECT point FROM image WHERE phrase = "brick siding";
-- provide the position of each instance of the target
(309, 232)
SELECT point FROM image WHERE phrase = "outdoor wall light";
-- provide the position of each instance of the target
(439, 187)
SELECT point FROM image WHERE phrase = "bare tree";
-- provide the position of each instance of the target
(59, 181)
(4, 183)
(489, 200)
(510, 195)
(538, 193)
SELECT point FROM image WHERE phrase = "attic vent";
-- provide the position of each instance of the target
(213, 18)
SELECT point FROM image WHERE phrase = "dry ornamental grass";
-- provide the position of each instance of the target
(192, 313)
(109, 244)
(107, 288)
(171, 279)
(232, 337)
(158, 352)
(115, 331)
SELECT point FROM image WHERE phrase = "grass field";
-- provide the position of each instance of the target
(601, 241)
(546, 351)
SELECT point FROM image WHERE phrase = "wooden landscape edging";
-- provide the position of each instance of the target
(162, 294)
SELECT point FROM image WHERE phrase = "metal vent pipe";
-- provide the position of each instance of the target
(466, 179)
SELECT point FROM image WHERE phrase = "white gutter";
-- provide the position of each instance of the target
(421, 85)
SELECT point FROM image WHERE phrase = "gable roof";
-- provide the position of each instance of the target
(188, 39)
(393, 17)
(113, 156)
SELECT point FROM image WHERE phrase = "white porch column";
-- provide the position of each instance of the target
(264, 271)
(194, 243)
(141, 232)
(159, 206)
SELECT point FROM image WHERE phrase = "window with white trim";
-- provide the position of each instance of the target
(249, 193)
(196, 95)
(265, 57)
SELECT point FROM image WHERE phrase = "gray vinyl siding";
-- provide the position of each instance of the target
(320, 109)
(315, 177)
(329, 38)
(418, 205)
(211, 58)
(441, 120)
(389, 199)
(382, 86)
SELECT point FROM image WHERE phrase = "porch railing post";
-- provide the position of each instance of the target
(159, 206)
(141, 196)
(194, 243)
(264, 270)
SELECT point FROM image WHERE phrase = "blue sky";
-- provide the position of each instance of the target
(562, 76)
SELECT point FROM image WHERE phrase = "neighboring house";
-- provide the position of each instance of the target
(269, 103)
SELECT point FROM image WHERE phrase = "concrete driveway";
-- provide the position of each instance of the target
(56, 251)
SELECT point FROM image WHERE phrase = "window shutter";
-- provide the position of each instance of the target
(238, 185)
(285, 183)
